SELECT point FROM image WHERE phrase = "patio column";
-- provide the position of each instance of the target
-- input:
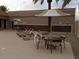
(5, 24)
(12, 24)
(0, 23)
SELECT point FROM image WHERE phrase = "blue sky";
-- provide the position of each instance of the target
(28, 4)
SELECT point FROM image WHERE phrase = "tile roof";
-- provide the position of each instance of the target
(24, 13)
(34, 12)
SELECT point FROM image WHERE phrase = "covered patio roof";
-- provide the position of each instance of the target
(4, 15)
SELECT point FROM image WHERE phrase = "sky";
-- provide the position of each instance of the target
(14, 5)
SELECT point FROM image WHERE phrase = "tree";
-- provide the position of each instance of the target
(3, 8)
(65, 2)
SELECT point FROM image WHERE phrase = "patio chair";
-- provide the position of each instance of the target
(21, 34)
(63, 37)
(37, 40)
(27, 37)
(25, 34)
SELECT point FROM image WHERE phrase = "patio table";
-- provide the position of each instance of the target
(51, 42)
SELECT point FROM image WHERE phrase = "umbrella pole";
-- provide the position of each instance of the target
(49, 24)
(49, 18)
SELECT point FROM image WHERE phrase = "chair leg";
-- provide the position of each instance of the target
(51, 49)
(64, 43)
(60, 47)
(37, 45)
(45, 44)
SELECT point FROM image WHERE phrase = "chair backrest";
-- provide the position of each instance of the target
(63, 37)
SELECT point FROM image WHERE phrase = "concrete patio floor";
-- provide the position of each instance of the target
(13, 47)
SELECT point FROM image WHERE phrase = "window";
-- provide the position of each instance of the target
(61, 28)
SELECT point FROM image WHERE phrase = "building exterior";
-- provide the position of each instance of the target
(29, 20)
(59, 23)
(5, 22)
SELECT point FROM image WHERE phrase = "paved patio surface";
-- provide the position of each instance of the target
(13, 47)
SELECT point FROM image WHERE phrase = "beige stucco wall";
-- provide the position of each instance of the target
(36, 20)
(44, 20)
(64, 20)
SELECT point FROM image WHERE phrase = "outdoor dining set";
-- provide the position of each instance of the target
(50, 40)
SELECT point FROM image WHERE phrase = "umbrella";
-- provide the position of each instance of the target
(17, 20)
(51, 13)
